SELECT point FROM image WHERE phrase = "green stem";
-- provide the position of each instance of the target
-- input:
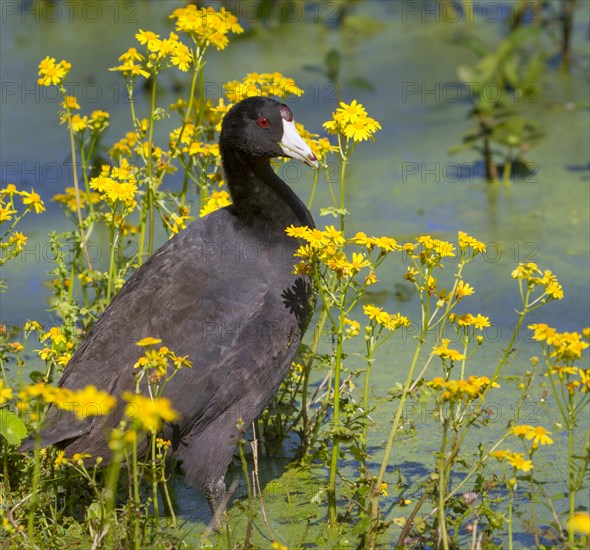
(336, 423)
(113, 237)
(155, 480)
(76, 185)
(389, 446)
(510, 509)
(572, 487)
(442, 467)
(249, 527)
(369, 360)
(342, 195)
(151, 190)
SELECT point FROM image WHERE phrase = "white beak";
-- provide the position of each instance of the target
(293, 145)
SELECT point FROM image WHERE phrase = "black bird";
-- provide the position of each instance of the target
(222, 292)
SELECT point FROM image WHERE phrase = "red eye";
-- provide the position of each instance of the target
(263, 122)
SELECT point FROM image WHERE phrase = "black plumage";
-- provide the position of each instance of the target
(222, 292)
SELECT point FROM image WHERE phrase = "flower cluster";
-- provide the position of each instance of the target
(352, 122)
(531, 273)
(327, 246)
(516, 460)
(157, 361)
(149, 412)
(88, 401)
(215, 201)
(98, 121)
(52, 73)
(158, 51)
(538, 434)
(206, 25)
(444, 352)
(70, 198)
(56, 347)
(563, 346)
(468, 242)
(116, 184)
(478, 322)
(12, 244)
(265, 84)
(467, 390)
(386, 320)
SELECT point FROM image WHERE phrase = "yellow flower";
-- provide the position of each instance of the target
(362, 239)
(543, 332)
(149, 39)
(445, 353)
(297, 232)
(554, 290)
(18, 240)
(354, 327)
(70, 102)
(370, 279)
(33, 200)
(334, 235)
(206, 25)
(478, 321)
(371, 311)
(358, 262)
(463, 289)
(17, 347)
(581, 523)
(55, 335)
(89, 402)
(466, 241)
(525, 271)
(521, 430)
(217, 200)
(384, 488)
(51, 72)
(79, 457)
(5, 393)
(99, 120)
(278, 546)
(116, 184)
(131, 55)
(500, 454)
(352, 112)
(79, 123)
(352, 122)
(60, 459)
(386, 243)
(539, 435)
(6, 213)
(130, 69)
(149, 341)
(264, 84)
(70, 200)
(151, 413)
(517, 460)
(64, 359)
(362, 129)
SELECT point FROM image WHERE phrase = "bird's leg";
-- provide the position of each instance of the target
(215, 493)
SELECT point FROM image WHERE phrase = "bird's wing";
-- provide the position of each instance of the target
(201, 299)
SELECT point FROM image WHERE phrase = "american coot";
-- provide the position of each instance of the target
(222, 292)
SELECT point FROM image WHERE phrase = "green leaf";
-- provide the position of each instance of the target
(12, 427)
(333, 211)
(361, 83)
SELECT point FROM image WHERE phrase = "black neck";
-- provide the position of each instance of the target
(258, 193)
